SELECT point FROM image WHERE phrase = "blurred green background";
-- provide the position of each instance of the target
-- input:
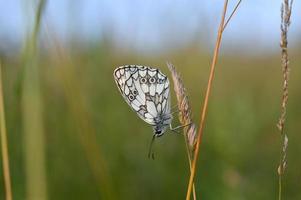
(72, 136)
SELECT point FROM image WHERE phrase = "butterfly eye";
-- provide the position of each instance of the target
(143, 80)
(135, 92)
(131, 97)
(152, 80)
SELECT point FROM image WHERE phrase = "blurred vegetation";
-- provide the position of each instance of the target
(71, 135)
(96, 147)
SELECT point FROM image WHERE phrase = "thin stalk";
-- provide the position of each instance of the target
(32, 116)
(286, 10)
(4, 145)
(189, 161)
(233, 12)
(185, 115)
(204, 111)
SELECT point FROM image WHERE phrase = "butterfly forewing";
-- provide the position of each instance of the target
(145, 89)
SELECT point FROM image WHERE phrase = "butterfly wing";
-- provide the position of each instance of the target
(145, 89)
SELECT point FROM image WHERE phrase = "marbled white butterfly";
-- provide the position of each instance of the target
(146, 90)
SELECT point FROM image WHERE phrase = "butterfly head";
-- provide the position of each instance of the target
(159, 131)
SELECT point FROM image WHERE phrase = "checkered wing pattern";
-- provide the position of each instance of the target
(145, 89)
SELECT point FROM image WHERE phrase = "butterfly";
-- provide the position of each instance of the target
(146, 90)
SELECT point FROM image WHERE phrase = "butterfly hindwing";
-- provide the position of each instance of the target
(145, 89)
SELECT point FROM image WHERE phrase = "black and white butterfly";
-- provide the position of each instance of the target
(146, 90)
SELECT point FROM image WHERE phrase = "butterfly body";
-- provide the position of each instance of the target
(162, 123)
(146, 90)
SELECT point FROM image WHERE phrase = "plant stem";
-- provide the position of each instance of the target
(32, 115)
(233, 12)
(4, 145)
(286, 9)
(189, 161)
(204, 111)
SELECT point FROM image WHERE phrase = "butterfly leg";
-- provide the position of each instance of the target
(173, 130)
(178, 127)
(175, 111)
(175, 107)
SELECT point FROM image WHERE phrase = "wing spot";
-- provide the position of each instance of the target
(143, 80)
(152, 80)
(131, 97)
(135, 92)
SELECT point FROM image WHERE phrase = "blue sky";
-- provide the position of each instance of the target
(152, 25)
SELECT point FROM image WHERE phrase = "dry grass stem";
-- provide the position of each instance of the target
(185, 115)
(233, 12)
(205, 105)
(203, 113)
(286, 9)
(4, 145)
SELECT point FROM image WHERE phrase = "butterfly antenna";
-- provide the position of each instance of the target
(150, 152)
